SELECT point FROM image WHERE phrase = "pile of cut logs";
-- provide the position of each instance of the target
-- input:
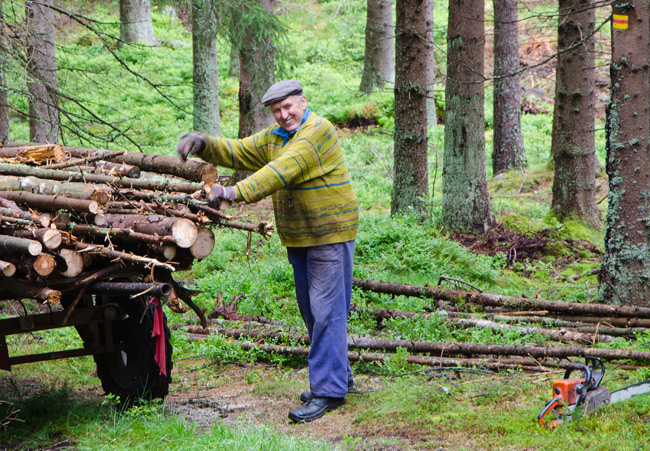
(68, 213)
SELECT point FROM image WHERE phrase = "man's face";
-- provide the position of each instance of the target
(289, 112)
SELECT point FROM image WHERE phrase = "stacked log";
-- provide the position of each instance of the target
(68, 214)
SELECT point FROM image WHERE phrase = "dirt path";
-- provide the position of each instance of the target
(263, 396)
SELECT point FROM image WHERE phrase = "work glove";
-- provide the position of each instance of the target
(220, 193)
(190, 144)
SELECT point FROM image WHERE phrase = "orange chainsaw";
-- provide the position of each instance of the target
(585, 392)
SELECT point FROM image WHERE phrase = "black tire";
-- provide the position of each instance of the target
(133, 374)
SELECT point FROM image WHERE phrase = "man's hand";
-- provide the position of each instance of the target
(219, 193)
(191, 143)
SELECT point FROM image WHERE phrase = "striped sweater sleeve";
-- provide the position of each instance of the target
(307, 157)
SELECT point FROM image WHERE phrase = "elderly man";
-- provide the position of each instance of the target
(301, 165)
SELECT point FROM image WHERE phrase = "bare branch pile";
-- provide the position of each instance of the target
(71, 217)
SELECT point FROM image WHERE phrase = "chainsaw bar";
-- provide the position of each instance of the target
(630, 391)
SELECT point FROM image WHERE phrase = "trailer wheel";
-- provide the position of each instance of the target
(132, 373)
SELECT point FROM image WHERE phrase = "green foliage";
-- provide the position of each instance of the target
(400, 248)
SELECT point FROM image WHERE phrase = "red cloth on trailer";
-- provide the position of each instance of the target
(159, 334)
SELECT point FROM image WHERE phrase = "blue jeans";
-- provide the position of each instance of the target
(323, 278)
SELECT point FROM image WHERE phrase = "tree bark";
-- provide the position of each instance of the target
(506, 302)
(625, 269)
(119, 255)
(20, 245)
(233, 68)
(192, 169)
(411, 179)
(124, 234)
(52, 187)
(56, 174)
(183, 230)
(563, 335)
(573, 142)
(41, 70)
(451, 349)
(508, 149)
(50, 238)
(51, 203)
(379, 59)
(205, 70)
(4, 102)
(432, 115)
(256, 75)
(39, 220)
(11, 288)
(465, 200)
(135, 22)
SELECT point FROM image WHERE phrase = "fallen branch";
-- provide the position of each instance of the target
(563, 335)
(505, 302)
(448, 349)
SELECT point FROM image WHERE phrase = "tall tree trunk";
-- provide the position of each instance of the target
(379, 61)
(233, 68)
(625, 270)
(465, 199)
(432, 116)
(411, 180)
(41, 70)
(135, 20)
(508, 150)
(573, 142)
(256, 75)
(4, 105)
(206, 76)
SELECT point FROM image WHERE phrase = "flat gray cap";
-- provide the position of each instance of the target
(281, 90)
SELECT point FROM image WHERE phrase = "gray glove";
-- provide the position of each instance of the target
(190, 143)
(219, 193)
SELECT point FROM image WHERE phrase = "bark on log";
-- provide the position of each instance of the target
(192, 169)
(15, 289)
(119, 255)
(525, 364)
(51, 187)
(70, 176)
(5, 203)
(131, 288)
(264, 228)
(563, 335)
(88, 278)
(125, 234)
(610, 321)
(42, 220)
(7, 269)
(20, 245)
(449, 349)
(183, 230)
(77, 161)
(50, 238)
(204, 243)
(505, 302)
(154, 196)
(16, 221)
(51, 203)
(121, 169)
